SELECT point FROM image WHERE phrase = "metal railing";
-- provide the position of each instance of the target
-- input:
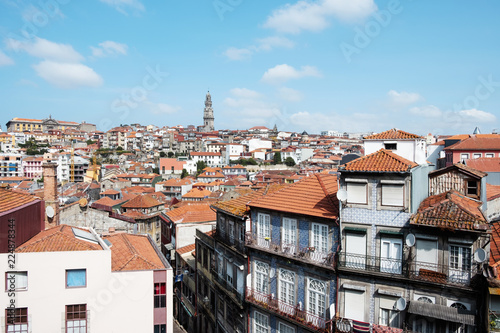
(306, 254)
(415, 270)
(227, 286)
(290, 311)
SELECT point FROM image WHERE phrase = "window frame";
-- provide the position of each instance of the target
(79, 312)
(398, 187)
(264, 327)
(19, 320)
(159, 295)
(7, 281)
(75, 270)
(355, 201)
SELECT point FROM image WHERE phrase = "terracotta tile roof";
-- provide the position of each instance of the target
(460, 166)
(393, 134)
(313, 196)
(192, 213)
(142, 201)
(492, 192)
(11, 200)
(107, 201)
(55, 239)
(110, 191)
(186, 249)
(450, 211)
(495, 244)
(197, 193)
(485, 164)
(476, 142)
(133, 253)
(380, 161)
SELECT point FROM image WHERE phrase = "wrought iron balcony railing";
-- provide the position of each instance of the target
(306, 254)
(415, 270)
(289, 311)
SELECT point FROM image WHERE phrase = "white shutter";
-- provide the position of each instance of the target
(354, 304)
(356, 243)
(392, 195)
(356, 193)
(426, 252)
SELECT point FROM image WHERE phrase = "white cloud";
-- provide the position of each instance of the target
(314, 15)
(474, 115)
(234, 53)
(289, 94)
(121, 5)
(5, 60)
(428, 111)
(162, 108)
(403, 98)
(109, 48)
(261, 45)
(284, 72)
(42, 48)
(67, 75)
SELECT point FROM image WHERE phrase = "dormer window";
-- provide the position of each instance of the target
(472, 188)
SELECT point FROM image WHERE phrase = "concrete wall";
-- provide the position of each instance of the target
(90, 217)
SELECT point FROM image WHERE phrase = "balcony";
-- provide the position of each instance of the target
(304, 254)
(410, 269)
(232, 242)
(289, 311)
(223, 284)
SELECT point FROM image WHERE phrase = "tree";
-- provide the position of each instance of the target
(90, 142)
(277, 158)
(184, 173)
(162, 154)
(290, 162)
(170, 154)
(200, 165)
(119, 148)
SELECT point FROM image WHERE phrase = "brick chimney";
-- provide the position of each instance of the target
(50, 195)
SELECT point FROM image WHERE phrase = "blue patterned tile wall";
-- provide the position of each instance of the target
(303, 233)
(276, 228)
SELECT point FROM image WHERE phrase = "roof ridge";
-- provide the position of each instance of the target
(323, 187)
(128, 244)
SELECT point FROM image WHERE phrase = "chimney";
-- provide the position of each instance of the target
(50, 194)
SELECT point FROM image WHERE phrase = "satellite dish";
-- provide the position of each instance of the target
(480, 255)
(49, 210)
(400, 304)
(410, 240)
(83, 202)
(342, 195)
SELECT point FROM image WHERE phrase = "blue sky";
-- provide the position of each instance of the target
(357, 65)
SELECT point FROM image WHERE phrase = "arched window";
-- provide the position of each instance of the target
(425, 299)
(459, 306)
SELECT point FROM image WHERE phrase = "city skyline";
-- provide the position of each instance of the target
(308, 65)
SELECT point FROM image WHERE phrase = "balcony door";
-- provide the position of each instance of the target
(355, 255)
(263, 230)
(460, 264)
(391, 255)
(427, 255)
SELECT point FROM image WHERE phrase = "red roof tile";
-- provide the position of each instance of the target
(393, 134)
(485, 164)
(312, 196)
(492, 192)
(55, 239)
(142, 201)
(450, 211)
(192, 213)
(476, 142)
(186, 249)
(380, 161)
(133, 253)
(12, 200)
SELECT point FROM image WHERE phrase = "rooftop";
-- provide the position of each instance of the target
(10, 200)
(192, 213)
(380, 161)
(393, 134)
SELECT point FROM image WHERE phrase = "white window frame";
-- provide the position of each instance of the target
(389, 317)
(284, 328)
(477, 155)
(319, 237)
(261, 322)
(261, 277)
(460, 262)
(314, 297)
(286, 286)
(393, 195)
(289, 231)
(357, 198)
(263, 225)
(489, 155)
(464, 156)
(20, 280)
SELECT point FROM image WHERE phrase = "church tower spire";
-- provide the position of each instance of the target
(208, 114)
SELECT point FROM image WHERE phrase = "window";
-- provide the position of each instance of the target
(160, 328)
(261, 322)
(316, 299)
(283, 328)
(477, 155)
(263, 225)
(391, 146)
(160, 300)
(229, 273)
(16, 320)
(289, 231)
(231, 232)
(472, 188)
(76, 318)
(242, 233)
(425, 299)
(222, 226)
(16, 280)
(261, 276)
(319, 237)
(460, 263)
(389, 317)
(390, 255)
(355, 250)
(357, 193)
(393, 195)
(464, 156)
(489, 155)
(286, 287)
(76, 278)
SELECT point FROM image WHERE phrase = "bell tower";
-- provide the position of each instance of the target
(208, 114)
